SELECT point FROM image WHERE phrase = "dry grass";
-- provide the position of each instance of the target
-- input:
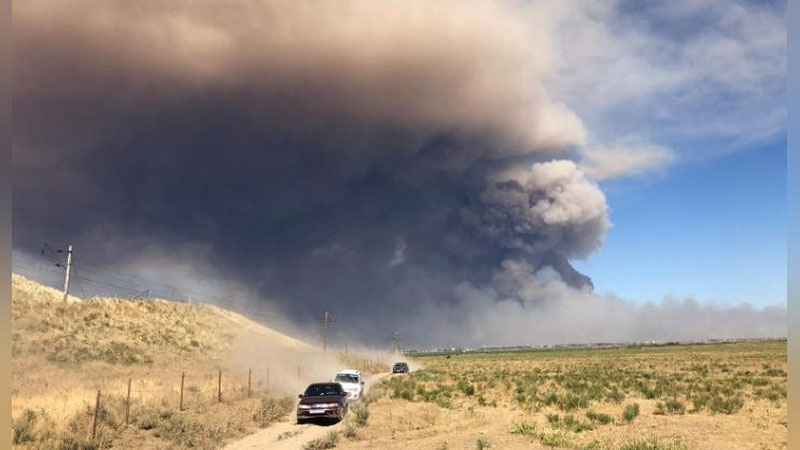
(700, 396)
(63, 353)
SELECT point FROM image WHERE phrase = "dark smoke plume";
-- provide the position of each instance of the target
(367, 157)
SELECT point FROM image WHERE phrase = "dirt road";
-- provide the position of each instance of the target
(288, 435)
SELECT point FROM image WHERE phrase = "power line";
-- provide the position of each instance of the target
(103, 280)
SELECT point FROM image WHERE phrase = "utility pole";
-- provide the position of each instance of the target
(396, 340)
(69, 268)
(326, 320)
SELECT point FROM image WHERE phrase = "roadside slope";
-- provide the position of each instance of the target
(65, 352)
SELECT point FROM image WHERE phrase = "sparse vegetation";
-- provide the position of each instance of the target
(577, 398)
(350, 431)
(671, 406)
(630, 412)
(652, 443)
(360, 414)
(482, 443)
(271, 409)
(329, 441)
(64, 352)
(524, 428)
(566, 398)
(601, 418)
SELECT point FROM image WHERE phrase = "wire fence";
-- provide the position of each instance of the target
(179, 393)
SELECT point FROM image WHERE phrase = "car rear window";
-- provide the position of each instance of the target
(316, 390)
(346, 378)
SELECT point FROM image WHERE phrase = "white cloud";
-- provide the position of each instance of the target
(680, 74)
(623, 159)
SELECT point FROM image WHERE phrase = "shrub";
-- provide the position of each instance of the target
(572, 424)
(602, 418)
(671, 406)
(554, 439)
(572, 401)
(726, 405)
(360, 415)
(551, 398)
(482, 443)
(270, 410)
(700, 401)
(329, 441)
(652, 443)
(523, 428)
(616, 396)
(630, 412)
(23, 427)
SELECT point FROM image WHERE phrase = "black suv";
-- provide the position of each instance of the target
(400, 367)
(322, 401)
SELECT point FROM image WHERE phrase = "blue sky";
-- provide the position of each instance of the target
(687, 140)
(713, 230)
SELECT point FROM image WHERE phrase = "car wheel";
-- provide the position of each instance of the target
(300, 421)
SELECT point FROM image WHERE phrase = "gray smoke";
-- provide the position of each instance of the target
(371, 158)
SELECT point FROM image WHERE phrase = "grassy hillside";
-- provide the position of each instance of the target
(64, 352)
(122, 331)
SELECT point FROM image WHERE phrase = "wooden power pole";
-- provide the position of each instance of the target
(326, 320)
(69, 269)
(396, 340)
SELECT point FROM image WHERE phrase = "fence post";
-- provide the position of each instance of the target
(128, 403)
(96, 411)
(219, 387)
(183, 375)
(249, 376)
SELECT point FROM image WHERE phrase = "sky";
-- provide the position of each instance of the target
(463, 172)
(735, 207)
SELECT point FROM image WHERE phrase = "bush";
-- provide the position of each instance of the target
(572, 424)
(601, 418)
(726, 405)
(671, 406)
(651, 443)
(630, 412)
(270, 410)
(523, 428)
(329, 441)
(572, 401)
(360, 415)
(700, 402)
(482, 443)
(554, 439)
(23, 431)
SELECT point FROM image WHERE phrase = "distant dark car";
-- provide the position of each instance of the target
(322, 401)
(400, 367)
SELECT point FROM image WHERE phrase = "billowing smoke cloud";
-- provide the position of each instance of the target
(521, 305)
(371, 158)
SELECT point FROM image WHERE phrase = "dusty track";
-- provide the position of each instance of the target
(287, 434)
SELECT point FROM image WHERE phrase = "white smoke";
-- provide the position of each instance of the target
(522, 306)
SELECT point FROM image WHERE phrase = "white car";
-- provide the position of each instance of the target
(352, 383)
